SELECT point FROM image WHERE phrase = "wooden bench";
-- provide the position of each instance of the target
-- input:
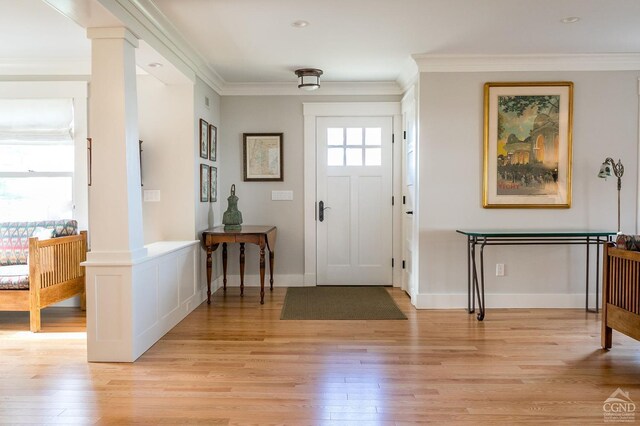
(37, 273)
(620, 293)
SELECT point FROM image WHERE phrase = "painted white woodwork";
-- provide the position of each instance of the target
(327, 88)
(504, 300)
(312, 112)
(409, 184)
(528, 62)
(115, 202)
(355, 185)
(130, 306)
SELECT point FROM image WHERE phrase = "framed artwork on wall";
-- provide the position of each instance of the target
(204, 139)
(213, 181)
(262, 157)
(204, 183)
(527, 145)
(213, 142)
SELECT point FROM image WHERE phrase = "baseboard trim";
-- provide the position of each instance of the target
(504, 300)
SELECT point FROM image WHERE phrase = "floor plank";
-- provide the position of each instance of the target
(235, 363)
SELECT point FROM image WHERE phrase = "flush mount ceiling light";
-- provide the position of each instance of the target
(570, 20)
(308, 78)
(299, 24)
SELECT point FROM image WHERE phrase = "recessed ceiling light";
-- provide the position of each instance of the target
(299, 24)
(570, 20)
(155, 65)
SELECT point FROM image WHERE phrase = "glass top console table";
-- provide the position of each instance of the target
(475, 265)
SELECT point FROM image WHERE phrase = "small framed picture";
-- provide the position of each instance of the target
(204, 139)
(213, 142)
(213, 180)
(204, 183)
(262, 154)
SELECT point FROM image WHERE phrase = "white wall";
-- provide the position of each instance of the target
(165, 117)
(450, 174)
(169, 120)
(272, 114)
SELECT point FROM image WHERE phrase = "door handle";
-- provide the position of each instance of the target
(410, 212)
(321, 209)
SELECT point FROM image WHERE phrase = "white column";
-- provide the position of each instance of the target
(115, 203)
(113, 267)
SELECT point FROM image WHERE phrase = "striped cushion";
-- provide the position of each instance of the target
(14, 238)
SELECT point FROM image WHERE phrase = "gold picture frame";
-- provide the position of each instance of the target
(527, 145)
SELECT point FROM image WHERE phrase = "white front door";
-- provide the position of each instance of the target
(354, 188)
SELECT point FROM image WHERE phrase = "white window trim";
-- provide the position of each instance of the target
(77, 90)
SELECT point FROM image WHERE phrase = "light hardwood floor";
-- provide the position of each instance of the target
(235, 362)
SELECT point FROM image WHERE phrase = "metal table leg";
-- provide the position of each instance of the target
(597, 274)
(481, 291)
(586, 303)
(470, 308)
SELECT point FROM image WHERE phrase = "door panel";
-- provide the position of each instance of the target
(408, 193)
(354, 177)
(338, 232)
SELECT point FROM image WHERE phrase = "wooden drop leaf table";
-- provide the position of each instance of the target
(262, 236)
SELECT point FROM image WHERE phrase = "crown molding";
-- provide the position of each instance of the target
(164, 28)
(326, 88)
(408, 75)
(543, 62)
(146, 21)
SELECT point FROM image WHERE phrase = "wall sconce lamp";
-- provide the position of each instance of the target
(611, 168)
(308, 78)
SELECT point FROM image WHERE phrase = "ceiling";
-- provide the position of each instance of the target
(253, 41)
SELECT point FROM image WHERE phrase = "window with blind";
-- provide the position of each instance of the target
(36, 159)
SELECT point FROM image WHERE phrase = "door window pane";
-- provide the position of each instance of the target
(335, 136)
(335, 157)
(373, 136)
(354, 136)
(354, 156)
(373, 157)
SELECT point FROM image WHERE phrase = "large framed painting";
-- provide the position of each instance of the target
(527, 145)
(262, 155)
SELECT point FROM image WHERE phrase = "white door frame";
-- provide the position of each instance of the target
(410, 108)
(313, 110)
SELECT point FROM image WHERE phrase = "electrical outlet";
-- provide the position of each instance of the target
(499, 269)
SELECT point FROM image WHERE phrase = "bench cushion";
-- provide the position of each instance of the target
(14, 277)
(628, 242)
(14, 238)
